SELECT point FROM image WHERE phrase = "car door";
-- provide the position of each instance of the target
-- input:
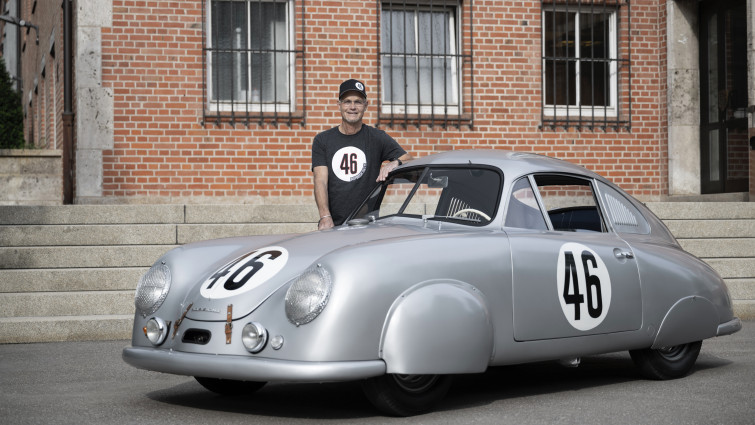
(570, 275)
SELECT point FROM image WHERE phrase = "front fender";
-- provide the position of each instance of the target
(690, 319)
(437, 327)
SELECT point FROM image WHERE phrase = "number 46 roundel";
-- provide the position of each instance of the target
(584, 286)
(245, 273)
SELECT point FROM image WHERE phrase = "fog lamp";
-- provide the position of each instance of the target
(156, 330)
(254, 337)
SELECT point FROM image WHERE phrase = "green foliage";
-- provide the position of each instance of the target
(11, 114)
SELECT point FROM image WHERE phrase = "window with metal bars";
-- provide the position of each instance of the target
(586, 80)
(252, 66)
(423, 60)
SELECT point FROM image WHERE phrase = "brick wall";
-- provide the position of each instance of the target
(152, 60)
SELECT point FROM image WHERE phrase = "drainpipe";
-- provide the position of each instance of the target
(69, 160)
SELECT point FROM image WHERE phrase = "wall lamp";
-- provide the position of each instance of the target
(20, 23)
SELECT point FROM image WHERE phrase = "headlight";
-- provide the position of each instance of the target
(156, 330)
(308, 295)
(152, 290)
(254, 337)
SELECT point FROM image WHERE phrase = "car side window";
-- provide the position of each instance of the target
(522, 210)
(624, 216)
(571, 203)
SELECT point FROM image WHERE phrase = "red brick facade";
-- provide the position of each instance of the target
(162, 151)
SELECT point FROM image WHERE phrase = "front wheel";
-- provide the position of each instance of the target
(406, 395)
(229, 386)
(667, 362)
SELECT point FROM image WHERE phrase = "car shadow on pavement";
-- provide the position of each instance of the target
(333, 401)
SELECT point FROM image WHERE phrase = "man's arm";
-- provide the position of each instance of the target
(321, 197)
(389, 166)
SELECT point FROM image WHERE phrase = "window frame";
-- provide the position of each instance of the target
(434, 107)
(617, 113)
(291, 108)
(460, 54)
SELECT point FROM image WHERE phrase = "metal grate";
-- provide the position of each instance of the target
(586, 76)
(425, 63)
(253, 62)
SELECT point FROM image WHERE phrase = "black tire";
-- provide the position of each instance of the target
(406, 395)
(229, 387)
(668, 362)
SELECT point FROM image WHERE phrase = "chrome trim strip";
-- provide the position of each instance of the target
(249, 368)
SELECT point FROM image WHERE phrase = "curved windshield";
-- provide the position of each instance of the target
(466, 194)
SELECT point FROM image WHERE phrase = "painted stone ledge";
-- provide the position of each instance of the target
(31, 177)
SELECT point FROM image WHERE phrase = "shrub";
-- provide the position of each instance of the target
(11, 114)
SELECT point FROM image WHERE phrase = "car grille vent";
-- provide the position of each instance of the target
(196, 336)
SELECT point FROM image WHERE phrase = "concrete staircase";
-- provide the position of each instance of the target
(723, 235)
(68, 273)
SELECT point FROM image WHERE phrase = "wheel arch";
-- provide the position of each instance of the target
(692, 318)
(437, 327)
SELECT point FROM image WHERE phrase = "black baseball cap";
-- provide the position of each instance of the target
(352, 85)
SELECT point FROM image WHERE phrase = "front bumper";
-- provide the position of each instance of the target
(249, 368)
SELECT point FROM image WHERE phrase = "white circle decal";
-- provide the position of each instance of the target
(584, 286)
(349, 163)
(245, 273)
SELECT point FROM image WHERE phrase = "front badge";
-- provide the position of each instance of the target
(584, 286)
(245, 273)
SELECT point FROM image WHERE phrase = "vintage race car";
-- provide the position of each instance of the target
(457, 262)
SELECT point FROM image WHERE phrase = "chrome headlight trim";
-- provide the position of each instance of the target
(308, 295)
(152, 289)
(254, 337)
(156, 330)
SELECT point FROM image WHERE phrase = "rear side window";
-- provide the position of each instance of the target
(570, 202)
(624, 217)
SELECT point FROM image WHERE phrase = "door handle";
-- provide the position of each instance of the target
(623, 254)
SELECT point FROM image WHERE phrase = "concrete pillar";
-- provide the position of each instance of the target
(94, 103)
(683, 97)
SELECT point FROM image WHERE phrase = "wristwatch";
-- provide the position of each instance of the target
(396, 159)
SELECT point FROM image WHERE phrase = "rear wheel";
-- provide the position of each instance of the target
(667, 362)
(229, 386)
(406, 395)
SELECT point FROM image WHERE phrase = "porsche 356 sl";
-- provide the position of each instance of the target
(457, 262)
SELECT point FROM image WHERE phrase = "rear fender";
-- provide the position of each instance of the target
(437, 327)
(691, 319)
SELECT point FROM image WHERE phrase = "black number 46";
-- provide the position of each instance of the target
(572, 294)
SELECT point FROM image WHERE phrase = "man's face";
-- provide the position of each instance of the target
(352, 107)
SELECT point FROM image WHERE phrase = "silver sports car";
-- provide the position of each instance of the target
(459, 261)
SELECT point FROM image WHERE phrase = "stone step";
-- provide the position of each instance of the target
(64, 280)
(702, 210)
(19, 330)
(157, 214)
(48, 304)
(78, 235)
(137, 234)
(719, 248)
(91, 214)
(81, 256)
(733, 268)
(741, 289)
(688, 229)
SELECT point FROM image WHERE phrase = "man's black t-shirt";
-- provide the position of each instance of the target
(353, 163)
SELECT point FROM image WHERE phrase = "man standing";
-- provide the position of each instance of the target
(348, 159)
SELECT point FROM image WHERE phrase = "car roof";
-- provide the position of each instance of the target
(512, 163)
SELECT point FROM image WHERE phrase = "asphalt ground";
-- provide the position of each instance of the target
(88, 383)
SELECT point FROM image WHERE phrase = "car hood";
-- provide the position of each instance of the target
(246, 271)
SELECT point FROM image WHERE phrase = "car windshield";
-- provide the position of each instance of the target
(467, 194)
